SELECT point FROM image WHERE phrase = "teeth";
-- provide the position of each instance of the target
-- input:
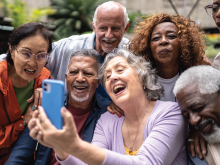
(80, 87)
(118, 86)
(29, 70)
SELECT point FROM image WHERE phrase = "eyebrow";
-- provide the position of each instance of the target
(169, 31)
(116, 65)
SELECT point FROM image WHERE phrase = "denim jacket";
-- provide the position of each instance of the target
(24, 147)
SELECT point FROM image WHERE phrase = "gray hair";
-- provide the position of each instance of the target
(126, 19)
(89, 53)
(205, 77)
(147, 75)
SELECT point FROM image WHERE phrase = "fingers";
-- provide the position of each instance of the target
(36, 97)
(191, 149)
(203, 145)
(44, 121)
(197, 145)
(33, 131)
(114, 109)
(30, 99)
(68, 118)
(110, 110)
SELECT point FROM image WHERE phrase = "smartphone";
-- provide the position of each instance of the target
(52, 100)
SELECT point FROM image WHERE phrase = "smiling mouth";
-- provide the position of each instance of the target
(80, 88)
(118, 89)
(29, 71)
(218, 24)
(164, 51)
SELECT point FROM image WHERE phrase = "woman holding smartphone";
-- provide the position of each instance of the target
(150, 132)
(20, 74)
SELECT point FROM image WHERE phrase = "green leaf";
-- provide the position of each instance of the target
(63, 11)
(59, 21)
(75, 14)
(69, 21)
(78, 24)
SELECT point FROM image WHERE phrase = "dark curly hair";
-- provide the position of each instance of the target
(26, 30)
(191, 37)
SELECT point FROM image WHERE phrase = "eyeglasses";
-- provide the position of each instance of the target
(212, 10)
(25, 54)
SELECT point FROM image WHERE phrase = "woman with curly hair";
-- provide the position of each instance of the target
(172, 44)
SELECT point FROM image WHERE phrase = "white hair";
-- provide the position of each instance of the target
(205, 77)
(126, 19)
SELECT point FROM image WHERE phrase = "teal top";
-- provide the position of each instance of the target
(23, 94)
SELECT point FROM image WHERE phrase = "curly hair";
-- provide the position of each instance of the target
(191, 37)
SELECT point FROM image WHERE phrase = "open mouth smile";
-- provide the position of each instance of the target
(80, 88)
(119, 89)
(29, 71)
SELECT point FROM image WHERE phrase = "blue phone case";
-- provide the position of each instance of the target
(52, 100)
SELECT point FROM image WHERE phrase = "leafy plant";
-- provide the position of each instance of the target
(73, 16)
(18, 11)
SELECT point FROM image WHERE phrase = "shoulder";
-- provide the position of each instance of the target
(109, 120)
(168, 110)
(44, 74)
(3, 65)
(72, 39)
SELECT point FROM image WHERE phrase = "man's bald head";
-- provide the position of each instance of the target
(111, 6)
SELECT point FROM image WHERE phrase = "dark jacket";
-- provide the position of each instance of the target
(25, 145)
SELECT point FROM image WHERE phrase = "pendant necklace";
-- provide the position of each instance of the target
(137, 131)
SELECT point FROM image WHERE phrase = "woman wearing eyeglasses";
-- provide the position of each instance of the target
(20, 74)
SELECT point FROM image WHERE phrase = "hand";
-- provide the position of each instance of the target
(198, 144)
(36, 97)
(114, 109)
(41, 129)
(28, 113)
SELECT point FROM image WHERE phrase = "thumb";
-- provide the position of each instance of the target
(30, 99)
(67, 117)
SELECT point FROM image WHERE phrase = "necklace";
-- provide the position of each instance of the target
(137, 131)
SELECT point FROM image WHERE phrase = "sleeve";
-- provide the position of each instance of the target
(161, 147)
(23, 149)
(9, 133)
(164, 143)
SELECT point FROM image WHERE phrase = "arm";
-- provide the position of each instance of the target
(153, 151)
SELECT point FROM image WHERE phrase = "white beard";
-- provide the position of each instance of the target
(80, 99)
(215, 136)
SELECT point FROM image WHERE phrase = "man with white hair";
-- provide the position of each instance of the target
(198, 93)
(110, 22)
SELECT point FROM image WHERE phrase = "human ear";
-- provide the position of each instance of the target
(11, 52)
(93, 27)
(126, 28)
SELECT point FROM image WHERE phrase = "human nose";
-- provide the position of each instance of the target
(108, 34)
(114, 77)
(80, 77)
(194, 118)
(164, 40)
(32, 60)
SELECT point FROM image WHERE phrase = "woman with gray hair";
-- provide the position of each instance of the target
(151, 132)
